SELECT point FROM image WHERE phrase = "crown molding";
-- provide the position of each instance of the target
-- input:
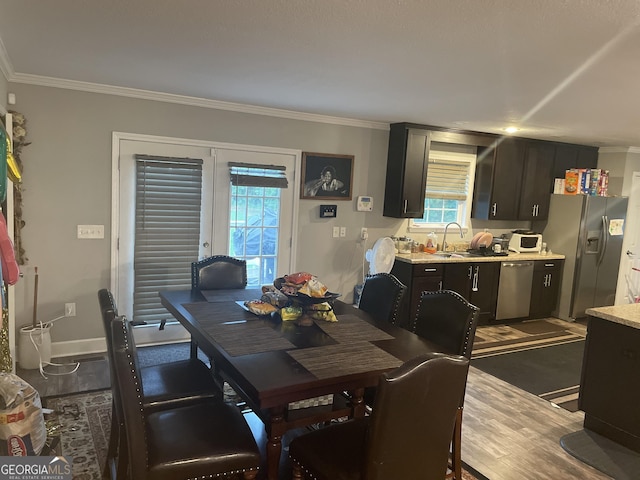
(192, 101)
(619, 150)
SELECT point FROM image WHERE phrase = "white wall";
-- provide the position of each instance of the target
(67, 181)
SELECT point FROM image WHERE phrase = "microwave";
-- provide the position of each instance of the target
(525, 242)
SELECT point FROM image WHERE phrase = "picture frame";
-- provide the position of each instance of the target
(326, 176)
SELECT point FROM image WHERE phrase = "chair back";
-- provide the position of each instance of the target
(413, 418)
(106, 301)
(129, 395)
(445, 318)
(381, 296)
(219, 272)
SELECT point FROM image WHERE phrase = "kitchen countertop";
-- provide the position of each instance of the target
(435, 258)
(628, 315)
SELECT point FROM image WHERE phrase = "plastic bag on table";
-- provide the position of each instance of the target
(22, 428)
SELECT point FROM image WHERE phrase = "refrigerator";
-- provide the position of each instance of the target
(588, 230)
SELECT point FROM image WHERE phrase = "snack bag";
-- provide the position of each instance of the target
(323, 311)
(22, 429)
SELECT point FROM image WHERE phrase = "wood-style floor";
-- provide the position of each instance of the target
(507, 433)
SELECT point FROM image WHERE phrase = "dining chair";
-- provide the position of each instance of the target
(381, 296)
(165, 385)
(217, 273)
(208, 439)
(446, 319)
(406, 436)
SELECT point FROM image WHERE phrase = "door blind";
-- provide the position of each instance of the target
(167, 230)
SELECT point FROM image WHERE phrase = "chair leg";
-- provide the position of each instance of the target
(456, 443)
(112, 451)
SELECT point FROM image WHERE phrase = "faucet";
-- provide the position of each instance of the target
(444, 238)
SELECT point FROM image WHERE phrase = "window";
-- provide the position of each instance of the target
(167, 230)
(449, 186)
(255, 218)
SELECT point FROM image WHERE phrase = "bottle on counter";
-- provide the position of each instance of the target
(431, 244)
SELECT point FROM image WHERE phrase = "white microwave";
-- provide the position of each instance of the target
(526, 242)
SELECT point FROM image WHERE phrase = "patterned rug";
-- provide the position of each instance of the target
(82, 422)
(543, 357)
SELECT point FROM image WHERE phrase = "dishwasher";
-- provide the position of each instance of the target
(514, 289)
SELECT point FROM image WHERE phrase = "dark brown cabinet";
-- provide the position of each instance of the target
(418, 278)
(573, 156)
(537, 181)
(498, 180)
(547, 276)
(406, 171)
(609, 384)
(478, 283)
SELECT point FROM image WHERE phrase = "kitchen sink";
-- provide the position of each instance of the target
(456, 254)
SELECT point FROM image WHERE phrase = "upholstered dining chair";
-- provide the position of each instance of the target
(165, 385)
(406, 436)
(446, 319)
(219, 272)
(209, 439)
(381, 296)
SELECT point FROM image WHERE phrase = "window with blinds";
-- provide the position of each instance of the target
(448, 187)
(255, 218)
(167, 230)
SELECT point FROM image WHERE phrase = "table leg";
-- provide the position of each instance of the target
(276, 429)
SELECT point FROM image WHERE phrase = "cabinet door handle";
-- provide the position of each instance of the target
(406, 203)
(494, 209)
(474, 286)
(430, 269)
(549, 264)
(533, 211)
(470, 271)
(440, 285)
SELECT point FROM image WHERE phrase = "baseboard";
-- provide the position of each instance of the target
(143, 335)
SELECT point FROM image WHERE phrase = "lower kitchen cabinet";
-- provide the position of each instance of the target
(418, 278)
(478, 283)
(547, 276)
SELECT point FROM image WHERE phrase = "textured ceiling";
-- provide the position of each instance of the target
(566, 70)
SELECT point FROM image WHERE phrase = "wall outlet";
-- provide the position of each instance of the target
(364, 233)
(69, 309)
(343, 231)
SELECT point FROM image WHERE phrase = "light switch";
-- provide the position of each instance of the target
(336, 232)
(90, 231)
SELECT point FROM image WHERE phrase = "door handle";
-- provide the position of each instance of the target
(406, 203)
(494, 209)
(474, 286)
(605, 239)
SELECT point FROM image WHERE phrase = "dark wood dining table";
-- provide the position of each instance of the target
(272, 363)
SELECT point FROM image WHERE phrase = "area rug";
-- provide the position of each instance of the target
(552, 372)
(601, 453)
(83, 421)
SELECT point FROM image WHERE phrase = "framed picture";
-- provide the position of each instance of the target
(326, 176)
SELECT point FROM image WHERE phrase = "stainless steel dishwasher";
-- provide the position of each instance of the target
(514, 289)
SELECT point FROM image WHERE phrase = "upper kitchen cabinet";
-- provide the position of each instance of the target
(573, 156)
(406, 171)
(537, 181)
(498, 180)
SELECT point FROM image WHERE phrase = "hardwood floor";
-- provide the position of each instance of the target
(507, 433)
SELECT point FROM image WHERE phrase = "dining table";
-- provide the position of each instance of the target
(276, 366)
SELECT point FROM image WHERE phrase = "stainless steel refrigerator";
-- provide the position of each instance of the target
(588, 231)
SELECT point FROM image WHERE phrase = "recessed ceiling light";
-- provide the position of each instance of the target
(511, 129)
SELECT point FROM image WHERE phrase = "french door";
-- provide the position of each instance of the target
(158, 229)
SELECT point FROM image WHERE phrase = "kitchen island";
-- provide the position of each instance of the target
(610, 381)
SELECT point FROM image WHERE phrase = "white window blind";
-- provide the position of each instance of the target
(448, 171)
(167, 230)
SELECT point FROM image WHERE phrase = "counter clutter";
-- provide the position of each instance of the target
(461, 257)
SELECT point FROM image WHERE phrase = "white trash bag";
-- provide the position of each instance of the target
(22, 428)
